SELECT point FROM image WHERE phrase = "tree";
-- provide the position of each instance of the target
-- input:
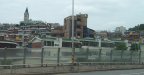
(135, 47)
(120, 46)
(139, 27)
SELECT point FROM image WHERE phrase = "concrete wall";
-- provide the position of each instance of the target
(53, 69)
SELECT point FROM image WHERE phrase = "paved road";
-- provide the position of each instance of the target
(116, 72)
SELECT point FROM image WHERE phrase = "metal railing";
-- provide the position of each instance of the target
(24, 60)
(62, 55)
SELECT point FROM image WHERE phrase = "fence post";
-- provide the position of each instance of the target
(58, 57)
(122, 51)
(11, 70)
(24, 57)
(131, 57)
(139, 56)
(100, 54)
(87, 54)
(4, 56)
(111, 53)
(42, 56)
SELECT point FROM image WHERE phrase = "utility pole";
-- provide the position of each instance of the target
(73, 51)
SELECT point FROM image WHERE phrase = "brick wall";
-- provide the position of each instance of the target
(37, 45)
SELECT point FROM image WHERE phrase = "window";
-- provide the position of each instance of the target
(49, 43)
(56, 44)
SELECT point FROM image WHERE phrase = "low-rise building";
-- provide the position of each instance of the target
(132, 36)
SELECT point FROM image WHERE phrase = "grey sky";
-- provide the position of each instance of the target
(103, 14)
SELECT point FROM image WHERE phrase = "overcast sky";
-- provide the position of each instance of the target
(102, 14)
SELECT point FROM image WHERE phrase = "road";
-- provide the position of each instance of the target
(115, 72)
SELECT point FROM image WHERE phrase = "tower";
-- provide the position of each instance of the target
(26, 15)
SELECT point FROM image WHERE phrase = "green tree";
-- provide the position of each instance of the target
(135, 47)
(120, 46)
(139, 27)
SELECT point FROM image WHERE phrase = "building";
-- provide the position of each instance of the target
(35, 26)
(103, 35)
(54, 25)
(90, 33)
(132, 36)
(120, 29)
(54, 42)
(80, 26)
(57, 32)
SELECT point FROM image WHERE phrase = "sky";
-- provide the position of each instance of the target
(102, 14)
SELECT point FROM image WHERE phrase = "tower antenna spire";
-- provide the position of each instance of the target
(26, 14)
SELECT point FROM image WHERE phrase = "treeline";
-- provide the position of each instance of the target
(139, 27)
